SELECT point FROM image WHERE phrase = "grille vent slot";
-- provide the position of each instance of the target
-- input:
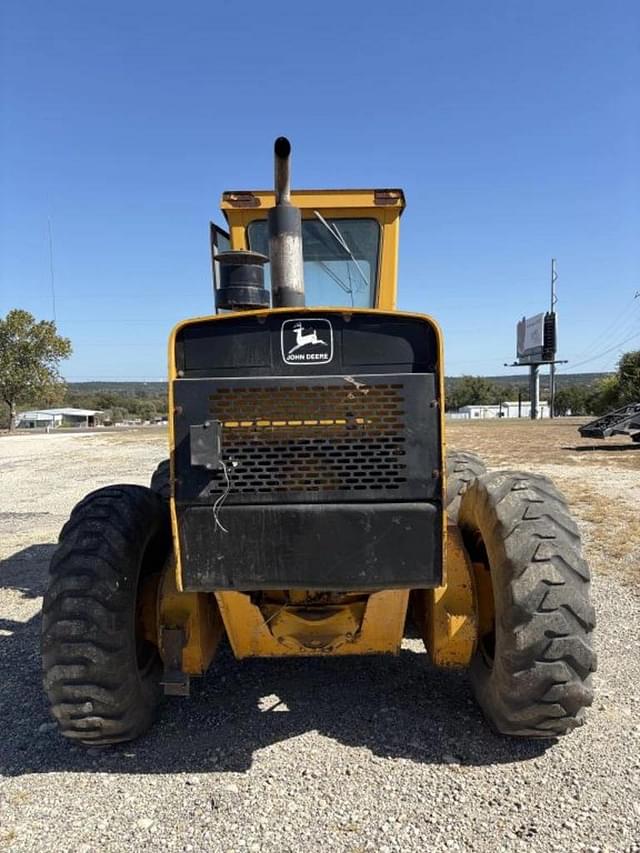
(312, 438)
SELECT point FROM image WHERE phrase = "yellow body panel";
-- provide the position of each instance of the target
(197, 614)
(448, 615)
(376, 627)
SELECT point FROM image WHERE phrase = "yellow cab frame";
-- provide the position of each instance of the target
(385, 206)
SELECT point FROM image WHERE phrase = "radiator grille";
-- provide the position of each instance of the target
(312, 438)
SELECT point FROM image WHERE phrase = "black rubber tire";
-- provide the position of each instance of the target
(462, 469)
(532, 678)
(161, 480)
(102, 681)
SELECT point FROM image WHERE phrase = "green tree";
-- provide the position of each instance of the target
(629, 377)
(104, 401)
(604, 396)
(572, 399)
(30, 353)
(118, 414)
(619, 388)
(470, 390)
(146, 410)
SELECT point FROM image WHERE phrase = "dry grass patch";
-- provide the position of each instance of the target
(600, 479)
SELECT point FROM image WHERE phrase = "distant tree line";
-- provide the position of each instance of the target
(602, 394)
(479, 391)
(117, 406)
(120, 406)
(598, 397)
(31, 352)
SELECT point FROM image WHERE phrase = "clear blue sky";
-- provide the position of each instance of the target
(513, 126)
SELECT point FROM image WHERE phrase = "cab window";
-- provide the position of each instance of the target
(340, 259)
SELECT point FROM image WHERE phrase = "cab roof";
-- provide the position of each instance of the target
(311, 199)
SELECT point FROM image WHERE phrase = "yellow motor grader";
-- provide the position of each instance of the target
(308, 505)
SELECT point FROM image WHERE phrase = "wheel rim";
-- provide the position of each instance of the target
(145, 627)
(486, 604)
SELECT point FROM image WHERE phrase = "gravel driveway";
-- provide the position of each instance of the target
(331, 755)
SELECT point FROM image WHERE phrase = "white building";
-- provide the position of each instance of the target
(503, 410)
(41, 418)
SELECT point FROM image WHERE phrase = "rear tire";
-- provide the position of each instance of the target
(532, 674)
(100, 675)
(462, 469)
(161, 480)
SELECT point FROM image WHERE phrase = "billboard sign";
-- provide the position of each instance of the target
(536, 339)
(530, 336)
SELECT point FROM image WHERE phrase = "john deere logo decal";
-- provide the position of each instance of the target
(308, 341)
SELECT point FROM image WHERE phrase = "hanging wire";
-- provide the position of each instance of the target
(612, 328)
(607, 351)
(222, 498)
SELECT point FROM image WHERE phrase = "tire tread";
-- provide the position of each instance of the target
(90, 669)
(544, 615)
(462, 468)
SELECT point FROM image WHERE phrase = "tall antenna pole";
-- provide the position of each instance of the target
(552, 366)
(53, 284)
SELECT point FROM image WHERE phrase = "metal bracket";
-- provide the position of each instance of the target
(174, 680)
(206, 444)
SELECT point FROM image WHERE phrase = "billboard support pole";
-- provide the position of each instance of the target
(534, 389)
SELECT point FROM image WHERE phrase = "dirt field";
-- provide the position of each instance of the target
(601, 479)
(327, 755)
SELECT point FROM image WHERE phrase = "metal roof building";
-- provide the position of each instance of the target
(39, 418)
(510, 409)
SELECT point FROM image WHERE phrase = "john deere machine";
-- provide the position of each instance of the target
(308, 506)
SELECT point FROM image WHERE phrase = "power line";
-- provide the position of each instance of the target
(609, 330)
(607, 351)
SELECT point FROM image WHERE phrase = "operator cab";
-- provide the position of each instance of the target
(349, 238)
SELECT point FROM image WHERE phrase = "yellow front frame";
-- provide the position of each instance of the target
(244, 622)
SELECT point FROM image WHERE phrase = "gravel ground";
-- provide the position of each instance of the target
(328, 755)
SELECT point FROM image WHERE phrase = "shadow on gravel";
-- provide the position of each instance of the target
(26, 570)
(395, 707)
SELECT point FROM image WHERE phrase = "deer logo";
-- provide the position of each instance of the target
(308, 340)
(305, 339)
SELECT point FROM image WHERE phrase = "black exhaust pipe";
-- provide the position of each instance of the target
(285, 236)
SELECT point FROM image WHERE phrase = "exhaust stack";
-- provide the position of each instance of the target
(285, 235)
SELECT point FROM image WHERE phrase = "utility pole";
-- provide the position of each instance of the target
(552, 366)
(53, 283)
(537, 345)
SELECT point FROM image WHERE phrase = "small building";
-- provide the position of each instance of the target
(52, 418)
(510, 409)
